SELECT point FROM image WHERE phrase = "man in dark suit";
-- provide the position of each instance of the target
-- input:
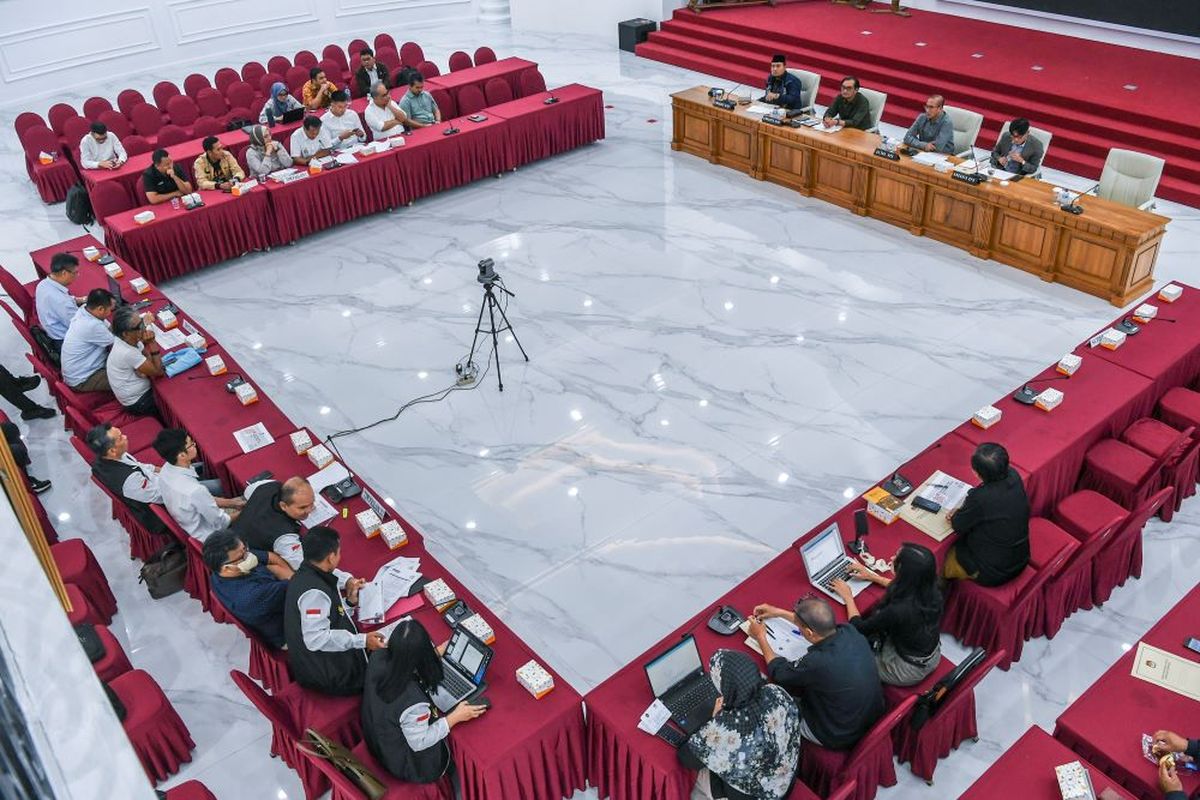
(992, 524)
(1016, 151)
(370, 72)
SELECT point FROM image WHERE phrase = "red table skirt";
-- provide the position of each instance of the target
(621, 772)
(52, 180)
(1026, 771)
(333, 197)
(537, 130)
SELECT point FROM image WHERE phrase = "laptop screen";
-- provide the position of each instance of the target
(115, 288)
(822, 550)
(468, 653)
(673, 666)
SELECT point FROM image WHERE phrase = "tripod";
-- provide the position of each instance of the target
(489, 302)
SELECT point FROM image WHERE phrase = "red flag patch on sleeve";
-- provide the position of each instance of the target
(423, 718)
(313, 612)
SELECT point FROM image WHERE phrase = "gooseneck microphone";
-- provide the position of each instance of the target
(1027, 395)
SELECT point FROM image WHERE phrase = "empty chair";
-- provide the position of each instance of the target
(171, 134)
(136, 145)
(240, 94)
(445, 103)
(211, 102)
(497, 91)
(81, 610)
(241, 112)
(93, 107)
(1042, 136)
(159, 737)
(74, 130)
(193, 83)
(331, 52)
(252, 72)
(190, 790)
(388, 58)
(113, 663)
(208, 126)
(279, 64)
(182, 110)
(428, 69)
(77, 565)
(532, 82)
(1181, 467)
(385, 40)
(459, 60)
(163, 92)
(470, 100)
(1127, 475)
(127, 99)
(411, 54)
(54, 179)
(966, 129)
(117, 124)
(1047, 542)
(332, 71)
(1122, 558)
(484, 55)
(225, 77)
(58, 115)
(1180, 408)
(108, 198)
(146, 119)
(297, 76)
(26, 120)
(306, 59)
(876, 100)
(1130, 178)
(18, 293)
(869, 764)
(810, 86)
(354, 48)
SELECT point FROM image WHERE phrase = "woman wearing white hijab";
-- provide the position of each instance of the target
(750, 749)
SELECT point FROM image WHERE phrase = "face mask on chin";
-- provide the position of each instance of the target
(247, 564)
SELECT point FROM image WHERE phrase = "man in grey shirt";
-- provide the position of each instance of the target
(418, 105)
(933, 132)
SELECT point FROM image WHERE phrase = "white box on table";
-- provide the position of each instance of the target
(215, 364)
(301, 442)
(368, 522)
(114, 270)
(477, 626)
(536, 680)
(320, 456)
(1069, 364)
(986, 417)
(1170, 293)
(439, 594)
(140, 285)
(1049, 399)
(246, 394)
(393, 534)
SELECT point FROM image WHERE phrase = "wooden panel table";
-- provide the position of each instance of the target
(1108, 251)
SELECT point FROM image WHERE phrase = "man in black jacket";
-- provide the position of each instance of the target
(992, 525)
(272, 515)
(135, 482)
(783, 88)
(370, 72)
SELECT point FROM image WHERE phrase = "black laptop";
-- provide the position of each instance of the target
(295, 115)
(678, 679)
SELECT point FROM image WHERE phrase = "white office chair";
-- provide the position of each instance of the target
(1042, 136)
(1130, 178)
(876, 101)
(966, 129)
(810, 84)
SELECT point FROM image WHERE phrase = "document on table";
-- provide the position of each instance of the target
(760, 108)
(783, 637)
(1167, 670)
(331, 474)
(823, 129)
(395, 579)
(943, 489)
(322, 511)
(253, 437)
(346, 158)
(929, 159)
(654, 717)
(167, 340)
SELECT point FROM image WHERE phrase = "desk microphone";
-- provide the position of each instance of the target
(724, 100)
(1071, 206)
(549, 101)
(1027, 395)
(450, 131)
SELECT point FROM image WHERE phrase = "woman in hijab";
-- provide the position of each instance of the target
(265, 155)
(750, 749)
(279, 103)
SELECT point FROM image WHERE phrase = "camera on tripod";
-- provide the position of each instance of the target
(487, 272)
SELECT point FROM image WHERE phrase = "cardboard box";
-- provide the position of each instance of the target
(368, 522)
(1074, 782)
(242, 188)
(477, 626)
(196, 341)
(1069, 364)
(1170, 293)
(142, 217)
(215, 364)
(246, 394)
(1049, 399)
(986, 417)
(320, 456)
(393, 534)
(439, 594)
(301, 442)
(882, 505)
(140, 285)
(166, 319)
(536, 680)
(1144, 313)
(91, 253)
(114, 270)
(1112, 338)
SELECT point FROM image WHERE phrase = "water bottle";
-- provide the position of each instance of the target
(270, 117)
(175, 203)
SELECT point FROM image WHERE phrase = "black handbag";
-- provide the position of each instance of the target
(928, 702)
(163, 573)
(93, 648)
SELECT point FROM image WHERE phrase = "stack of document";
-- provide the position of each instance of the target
(760, 108)
(783, 637)
(392, 582)
(929, 159)
(346, 158)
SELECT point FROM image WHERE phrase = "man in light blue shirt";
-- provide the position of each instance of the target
(88, 340)
(933, 132)
(418, 105)
(55, 305)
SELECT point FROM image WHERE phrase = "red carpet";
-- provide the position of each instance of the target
(1078, 93)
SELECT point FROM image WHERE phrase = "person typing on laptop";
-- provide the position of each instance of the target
(836, 682)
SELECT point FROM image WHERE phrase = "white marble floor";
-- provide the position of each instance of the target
(716, 364)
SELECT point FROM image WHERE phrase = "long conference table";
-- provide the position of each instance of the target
(1108, 251)
(522, 748)
(1046, 449)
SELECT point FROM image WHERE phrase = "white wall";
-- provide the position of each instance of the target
(592, 17)
(49, 44)
(56, 685)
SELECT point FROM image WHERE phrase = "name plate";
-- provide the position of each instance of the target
(890, 155)
(725, 103)
(771, 119)
(973, 178)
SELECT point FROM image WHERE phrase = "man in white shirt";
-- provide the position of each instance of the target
(132, 362)
(309, 141)
(136, 483)
(383, 115)
(101, 149)
(56, 306)
(341, 124)
(190, 504)
(85, 347)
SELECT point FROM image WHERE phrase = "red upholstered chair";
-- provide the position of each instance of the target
(428, 69)
(1096, 521)
(163, 91)
(445, 103)
(305, 58)
(1047, 542)
(172, 134)
(269, 80)
(241, 112)
(353, 49)
(294, 710)
(81, 610)
(58, 115)
(869, 764)
(411, 54)
(142, 542)
(484, 55)
(252, 72)
(225, 77)
(333, 72)
(191, 790)
(159, 737)
(54, 179)
(497, 91)
(345, 789)
(78, 566)
(532, 82)
(1127, 475)
(127, 99)
(147, 120)
(108, 198)
(74, 129)
(183, 111)
(296, 78)
(459, 60)
(241, 94)
(1180, 408)
(334, 53)
(1121, 558)
(19, 294)
(388, 57)
(211, 102)
(384, 41)
(1181, 468)
(279, 64)
(208, 126)
(114, 663)
(951, 724)
(93, 107)
(267, 665)
(470, 100)
(117, 124)
(193, 83)
(26, 120)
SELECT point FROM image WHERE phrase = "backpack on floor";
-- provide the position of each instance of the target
(163, 572)
(79, 205)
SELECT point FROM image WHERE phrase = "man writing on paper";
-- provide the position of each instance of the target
(850, 108)
(216, 168)
(272, 516)
(384, 117)
(310, 141)
(418, 105)
(342, 125)
(132, 362)
(932, 132)
(101, 149)
(783, 88)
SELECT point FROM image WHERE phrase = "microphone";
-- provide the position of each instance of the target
(860, 531)
(450, 131)
(1027, 395)
(724, 100)
(551, 100)
(1072, 206)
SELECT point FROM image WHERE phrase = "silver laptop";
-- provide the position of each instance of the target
(463, 666)
(825, 561)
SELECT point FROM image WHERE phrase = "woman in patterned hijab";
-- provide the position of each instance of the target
(751, 746)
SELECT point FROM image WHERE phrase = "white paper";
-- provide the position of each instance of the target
(386, 630)
(395, 579)
(331, 474)
(929, 159)
(759, 108)
(946, 491)
(783, 637)
(370, 603)
(823, 129)
(346, 158)
(167, 340)
(322, 511)
(654, 717)
(253, 437)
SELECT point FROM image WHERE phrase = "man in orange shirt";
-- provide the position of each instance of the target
(318, 90)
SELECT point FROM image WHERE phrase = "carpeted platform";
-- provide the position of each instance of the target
(1093, 96)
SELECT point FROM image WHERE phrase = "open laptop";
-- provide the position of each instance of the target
(295, 115)
(464, 663)
(677, 678)
(115, 288)
(826, 561)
